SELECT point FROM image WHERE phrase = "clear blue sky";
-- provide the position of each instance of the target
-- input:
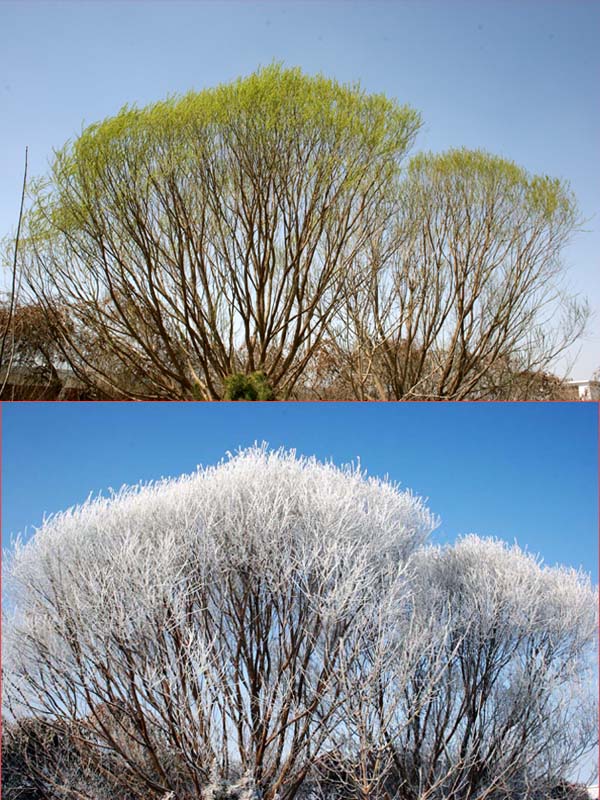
(517, 471)
(516, 77)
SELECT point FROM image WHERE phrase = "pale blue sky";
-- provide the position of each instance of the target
(516, 77)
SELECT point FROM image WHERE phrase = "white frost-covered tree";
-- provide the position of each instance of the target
(196, 625)
(275, 626)
(499, 698)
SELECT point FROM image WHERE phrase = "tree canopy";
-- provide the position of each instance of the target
(283, 623)
(205, 235)
(273, 225)
(464, 290)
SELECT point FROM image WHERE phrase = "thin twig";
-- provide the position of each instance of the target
(13, 290)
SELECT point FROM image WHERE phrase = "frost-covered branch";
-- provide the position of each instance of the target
(275, 626)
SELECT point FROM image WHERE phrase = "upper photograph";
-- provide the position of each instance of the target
(274, 200)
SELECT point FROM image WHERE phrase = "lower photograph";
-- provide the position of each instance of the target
(317, 601)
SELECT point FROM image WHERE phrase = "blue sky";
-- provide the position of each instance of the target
(517, 471)
(515, 77)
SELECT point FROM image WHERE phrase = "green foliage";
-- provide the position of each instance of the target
(488, 181)
(224, 226)
(469, 164)
(265, 117)
(273, 99)
(197, 391)
(248, 387)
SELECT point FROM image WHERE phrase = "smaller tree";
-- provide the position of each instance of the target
(461, 295)
(514, 706)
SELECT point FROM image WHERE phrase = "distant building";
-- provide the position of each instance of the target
(585, 390)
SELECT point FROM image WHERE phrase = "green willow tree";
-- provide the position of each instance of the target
(206, 236)
(461, 294)
(269, 226)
